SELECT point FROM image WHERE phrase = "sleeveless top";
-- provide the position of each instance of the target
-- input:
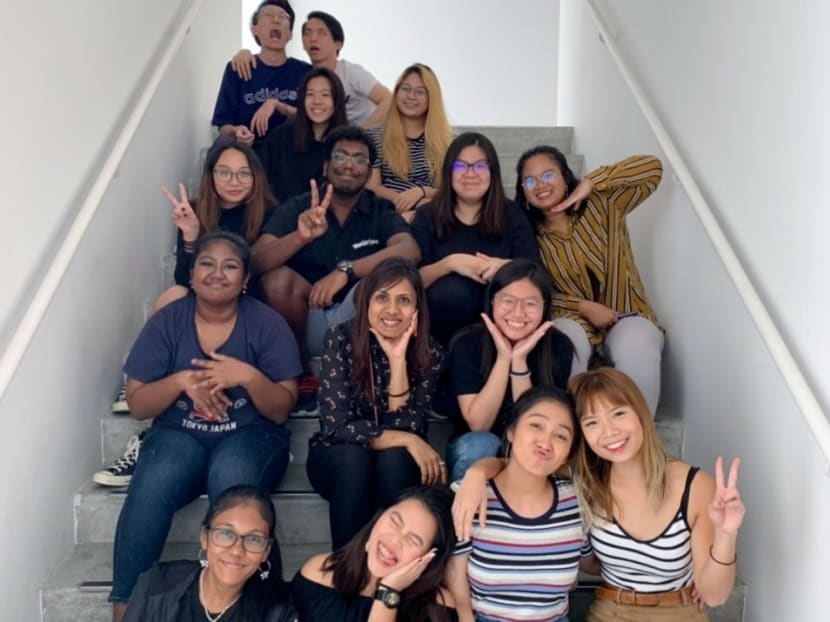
(663, 564)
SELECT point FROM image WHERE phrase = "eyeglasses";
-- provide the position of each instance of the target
(480, 167)
(529, 305)
(280, 16)
(546, 178)
(418, 92)
(224, 174)
(226, 538)
(358, 161)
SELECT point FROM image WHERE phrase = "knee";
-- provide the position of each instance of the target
(637, 337)
(283, 288)
(169, 295)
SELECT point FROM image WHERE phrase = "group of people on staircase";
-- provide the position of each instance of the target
(394, 257)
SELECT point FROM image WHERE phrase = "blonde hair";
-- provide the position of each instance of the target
(608, 386)
(437, 130)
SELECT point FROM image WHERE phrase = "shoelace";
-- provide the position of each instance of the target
(130, 456)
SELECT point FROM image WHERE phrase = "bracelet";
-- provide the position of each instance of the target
(717, 561)
(520, 374)
(399, 394)
(189, 247)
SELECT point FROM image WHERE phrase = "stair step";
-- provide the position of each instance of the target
(116, 430)
(302, 515)
(517, 139)
(68, 595)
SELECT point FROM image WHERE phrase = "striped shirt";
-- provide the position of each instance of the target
(522, 568)
(419, 174)
(663, 564)
(593, 260)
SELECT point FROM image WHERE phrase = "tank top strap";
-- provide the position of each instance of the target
(687, 488)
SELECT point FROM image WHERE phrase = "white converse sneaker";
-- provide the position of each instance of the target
(120, 472)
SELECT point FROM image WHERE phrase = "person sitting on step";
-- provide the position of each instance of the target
(663, 532)
(412, 142)
(233, 196)
(249, 109)
(391, 570)
(234, 579)
(216, 372)
(521, 563)
(292, 154)
(599, 300)
(514, 347)
(367, 100)
(314, 248)
(378, 374)
(467, 232)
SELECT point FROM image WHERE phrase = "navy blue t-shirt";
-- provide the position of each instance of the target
(238, 100)
(168, 342)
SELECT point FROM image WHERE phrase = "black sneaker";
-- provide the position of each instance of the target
(120, 405)
(120, 472)
(307, 399)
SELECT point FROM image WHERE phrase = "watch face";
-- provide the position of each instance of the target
(392, 599)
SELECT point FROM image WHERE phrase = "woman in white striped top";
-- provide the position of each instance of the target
(663, 532)
(522, 561)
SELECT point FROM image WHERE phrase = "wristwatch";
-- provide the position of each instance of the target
(388, 596)
(344, 265)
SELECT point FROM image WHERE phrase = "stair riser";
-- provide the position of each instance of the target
(516, 140)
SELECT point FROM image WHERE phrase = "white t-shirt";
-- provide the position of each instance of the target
(358, 83)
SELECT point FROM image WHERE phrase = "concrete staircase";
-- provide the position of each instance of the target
(77, 589)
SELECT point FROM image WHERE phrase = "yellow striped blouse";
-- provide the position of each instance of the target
(597, 245)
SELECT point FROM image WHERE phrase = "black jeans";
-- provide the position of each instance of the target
(454, 302)
(358, 481)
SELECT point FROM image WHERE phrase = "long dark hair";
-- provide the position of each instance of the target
(258, 596)
(550, 361)
(387, 273)
(571, 180)
(303, 130)
(350, 571)
(258, 202)
(493, 216)
(545, 393)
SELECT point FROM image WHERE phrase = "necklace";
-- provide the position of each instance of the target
(202, 600)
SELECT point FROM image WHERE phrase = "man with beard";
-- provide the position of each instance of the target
(315, 247)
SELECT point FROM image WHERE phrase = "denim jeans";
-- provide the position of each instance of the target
(466, 449)
(173, 469)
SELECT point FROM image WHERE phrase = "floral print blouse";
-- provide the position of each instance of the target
(346, 418)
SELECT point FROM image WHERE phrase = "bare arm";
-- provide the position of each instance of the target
(481, 409)
(273, 400)
(382, 98)
(271, 252)
(374, 184)
(148, 400)
(455, 577)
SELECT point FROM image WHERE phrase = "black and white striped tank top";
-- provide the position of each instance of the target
(663, 564)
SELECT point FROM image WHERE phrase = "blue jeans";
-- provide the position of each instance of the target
(466, 449)
(173, 469)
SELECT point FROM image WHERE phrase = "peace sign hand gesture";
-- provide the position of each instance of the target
(183, 215)
(727, 510)
(312, 223)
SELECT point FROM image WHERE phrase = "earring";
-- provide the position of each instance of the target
(244, 289)
(264, 572)
(203, 560)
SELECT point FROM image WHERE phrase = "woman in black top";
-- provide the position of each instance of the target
(466, 233)
(390, 571)
(233, 579)
(233, 196)
(492, 363)
(376, 384)
(292, 153)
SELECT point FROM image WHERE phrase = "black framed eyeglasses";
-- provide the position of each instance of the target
(226, 538)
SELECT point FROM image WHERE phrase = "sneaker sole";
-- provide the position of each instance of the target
(305, 412)
(121, 408)
(105, 478)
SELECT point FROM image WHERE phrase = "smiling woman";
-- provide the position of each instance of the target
(215, 371)
(377, 379)
(233, 579)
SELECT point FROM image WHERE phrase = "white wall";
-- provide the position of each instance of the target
(496, 62)
(69, 94)
(739, 86)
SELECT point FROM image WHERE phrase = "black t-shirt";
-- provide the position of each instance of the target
(196, 612)
(466, 377)
(366, 231)
(516, 242)
(289, 171)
